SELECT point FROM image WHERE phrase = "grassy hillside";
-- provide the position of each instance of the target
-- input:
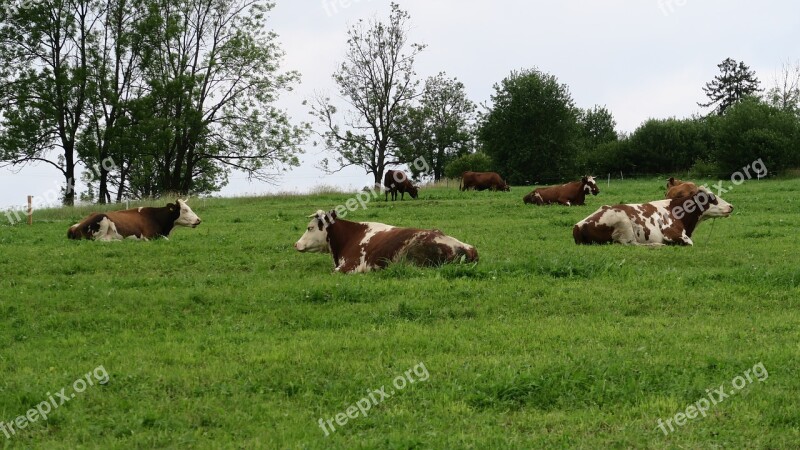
(225, 337)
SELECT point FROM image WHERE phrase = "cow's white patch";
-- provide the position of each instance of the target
(314, 240)
(187, 217)
(373, 228)
(107, 231)
(140, 208)
(453, 243)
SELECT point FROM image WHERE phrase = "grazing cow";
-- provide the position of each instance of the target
(365, 246)
(396, 181)
(573, 193)
(137, 223)
(662, 222)
(678, 189)
(482, 180)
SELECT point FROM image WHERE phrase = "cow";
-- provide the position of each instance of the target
(365, 246)
(662, 222)
(137, 223)
(481, 181)
(396, 181)
(677, 188)
(569, 194)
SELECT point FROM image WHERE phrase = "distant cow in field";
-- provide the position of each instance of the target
(677, 188)
(662, 222)
(139, 223)
(573, 193)
(397, 181)
(482, 180)
(365, 246)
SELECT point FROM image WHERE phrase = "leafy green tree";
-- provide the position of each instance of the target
(735, 82)
(114, 66)
(376, 80)
(44, 83)
(597, 127)
(212, 75)
(531, 132)
(475, 162)
(439, 129)
(753, 129)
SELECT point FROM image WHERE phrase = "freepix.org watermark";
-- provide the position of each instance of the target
(667, 7)
(332, 7)
(714, 397)
(702, 200)
(375, 397)
(54, 401)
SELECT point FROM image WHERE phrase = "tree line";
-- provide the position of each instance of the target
(172, 95)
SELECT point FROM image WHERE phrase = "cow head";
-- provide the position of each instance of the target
(589, 185)
(672, 181)
(413, 191)
(703, 200)
(315, 239)
(187, 217)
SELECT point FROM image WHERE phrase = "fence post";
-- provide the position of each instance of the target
(30, 210)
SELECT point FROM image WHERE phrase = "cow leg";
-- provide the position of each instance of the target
(675, 237)
(623, 233)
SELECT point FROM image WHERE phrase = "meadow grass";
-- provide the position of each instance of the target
(225, 337)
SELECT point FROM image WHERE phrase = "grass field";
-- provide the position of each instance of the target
(225, 337)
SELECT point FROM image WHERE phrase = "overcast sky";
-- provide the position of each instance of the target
(641, 59)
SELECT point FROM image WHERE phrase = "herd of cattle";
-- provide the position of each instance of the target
(365, 246)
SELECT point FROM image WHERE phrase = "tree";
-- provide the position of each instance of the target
(532, 132)
(439, 129)
(44, 64)
(785, 94)
(754, 130)
(597, 127)
(212, 74)
(735, 82)
(115, 70)
(377, 81)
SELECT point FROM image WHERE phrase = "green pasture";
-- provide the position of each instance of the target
(225, 337)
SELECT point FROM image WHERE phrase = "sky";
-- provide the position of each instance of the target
(640, 59)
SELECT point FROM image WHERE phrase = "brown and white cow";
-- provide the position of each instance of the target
(365, 246)
(482, 180)
(569, 194)
(677, 188)
(138, 223)
(397, 181)
(662, 222)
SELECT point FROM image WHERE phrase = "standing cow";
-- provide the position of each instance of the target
(482, 180)
(573, 193)
(397, 181)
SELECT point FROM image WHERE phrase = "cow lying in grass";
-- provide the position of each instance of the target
(138, 223)
(365, 246)
(662, 222)
(569, 194)
(677, 188)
